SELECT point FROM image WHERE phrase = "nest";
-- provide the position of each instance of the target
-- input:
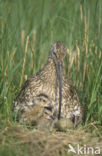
(20, 140)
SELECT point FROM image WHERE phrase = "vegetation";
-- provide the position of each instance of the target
(29, 28)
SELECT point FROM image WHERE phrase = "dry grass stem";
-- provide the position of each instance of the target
(24, 61)
(81, 13)
(22, 38)
(85, 36)
(84, 71)
(11, 59)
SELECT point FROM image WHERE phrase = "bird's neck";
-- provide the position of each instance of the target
(49, 73)
(51, 69)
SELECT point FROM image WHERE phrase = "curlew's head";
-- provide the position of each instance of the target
(58, 51)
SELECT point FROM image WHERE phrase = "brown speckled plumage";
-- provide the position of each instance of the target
(42, 90)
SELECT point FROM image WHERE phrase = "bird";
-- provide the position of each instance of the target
(42, 90)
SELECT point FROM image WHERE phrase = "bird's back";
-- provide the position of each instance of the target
(43, 84)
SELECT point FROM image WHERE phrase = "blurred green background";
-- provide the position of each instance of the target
(27, 30)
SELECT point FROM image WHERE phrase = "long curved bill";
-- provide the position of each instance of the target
(60, 89)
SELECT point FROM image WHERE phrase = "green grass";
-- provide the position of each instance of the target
(27, 30)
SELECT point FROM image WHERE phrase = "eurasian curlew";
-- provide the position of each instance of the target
(41, 91)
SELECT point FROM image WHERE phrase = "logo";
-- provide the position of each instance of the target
(84, 150)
